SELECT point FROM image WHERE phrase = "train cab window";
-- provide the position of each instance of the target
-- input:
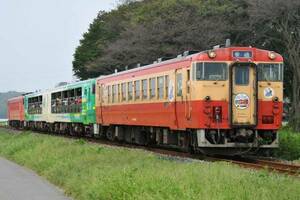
(179, 84)
(145, 88)
(270, 72)
(130, 91)
(241, 75)
(160, 87)
(152, 87)
(137, 86)
(211, 71)
(123, 91)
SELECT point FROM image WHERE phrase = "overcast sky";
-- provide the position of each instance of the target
(38, 39)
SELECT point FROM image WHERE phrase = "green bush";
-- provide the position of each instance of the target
(289, 145)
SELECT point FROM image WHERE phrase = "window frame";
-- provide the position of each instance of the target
(130, 91)
(195, 67)
(152, 88)
(248, 75)
(167, 82)
(137, 90)
(177, 84)
(160, 88)
(123, 92)
(108, 94)
(145, 89)
(281, 72)
(114, 93)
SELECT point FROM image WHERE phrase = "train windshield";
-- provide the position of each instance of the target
(270, 72)
(210, 71)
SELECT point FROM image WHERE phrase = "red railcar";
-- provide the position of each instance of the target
(225, 99)
(15, 111)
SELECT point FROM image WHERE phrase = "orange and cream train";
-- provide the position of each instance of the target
(225, 100)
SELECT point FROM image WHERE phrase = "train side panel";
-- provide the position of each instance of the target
(65, 108)
(15, 109)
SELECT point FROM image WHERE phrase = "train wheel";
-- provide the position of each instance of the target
(110, 133)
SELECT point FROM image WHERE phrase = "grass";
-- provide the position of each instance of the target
(87, 171)
(289, 148)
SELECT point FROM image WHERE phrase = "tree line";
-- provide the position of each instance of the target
(142, 31)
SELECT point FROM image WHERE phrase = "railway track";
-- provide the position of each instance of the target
(245, 162)
(270, 165)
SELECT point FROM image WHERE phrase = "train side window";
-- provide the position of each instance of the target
(35, 105)
(188, 81)
(123, 91)
(137, 85)
(152, 87)
(114, 92)
(145, 88)
(94, 88)
(241, 75)
(118, 92)
(167, 86)
(160, 87)
(130, 91)
(101, 94)
(108, 94)
(179, 84)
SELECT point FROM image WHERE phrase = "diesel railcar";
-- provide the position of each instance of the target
(66, 109)
(15, 112)
(224, 101)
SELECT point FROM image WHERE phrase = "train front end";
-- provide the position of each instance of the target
(241, 93)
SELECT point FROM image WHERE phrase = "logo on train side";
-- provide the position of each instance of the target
(268, 92)
(241, 101)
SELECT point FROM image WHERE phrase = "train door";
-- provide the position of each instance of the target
(91, 103)
(100, 104)
(244, 94)
(179, 97)
(188, 107)
(85, 101)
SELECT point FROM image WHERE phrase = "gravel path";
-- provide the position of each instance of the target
(18, 183)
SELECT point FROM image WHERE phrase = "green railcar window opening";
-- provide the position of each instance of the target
(67, 101)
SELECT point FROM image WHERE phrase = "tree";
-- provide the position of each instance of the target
(275, 24)
(151, 29)
(142, 31)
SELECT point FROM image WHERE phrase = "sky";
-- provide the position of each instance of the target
(38, 39)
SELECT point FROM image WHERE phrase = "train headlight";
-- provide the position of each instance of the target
(207, 98)
(275, 99)
(272, 55)
(211, 54)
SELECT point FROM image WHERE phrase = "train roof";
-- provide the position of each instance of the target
(223, 54)
(18, 98)
(60, 88)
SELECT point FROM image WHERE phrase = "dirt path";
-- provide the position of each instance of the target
(18, 183)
